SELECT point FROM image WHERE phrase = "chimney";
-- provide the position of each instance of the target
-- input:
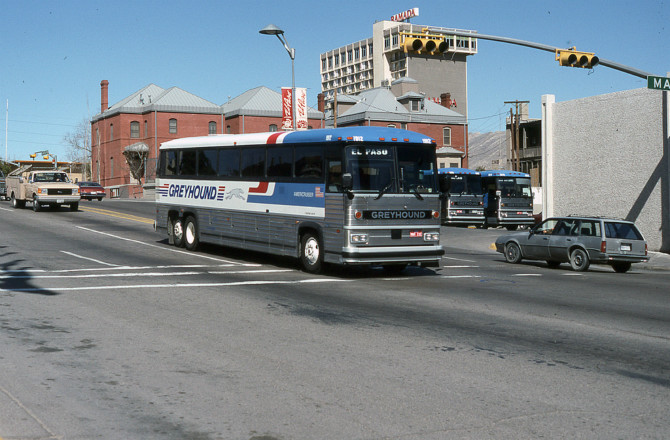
(104, 100)
(445, 100)
(321, 102)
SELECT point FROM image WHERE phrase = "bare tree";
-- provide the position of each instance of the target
(79, 146)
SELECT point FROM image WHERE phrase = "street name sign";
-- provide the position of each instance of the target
(658, 82)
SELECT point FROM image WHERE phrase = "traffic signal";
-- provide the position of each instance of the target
(426, 44)
(33, 156)
(573, 58)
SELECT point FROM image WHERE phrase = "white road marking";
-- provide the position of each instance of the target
(142, 274)
(460, 276)
(89, 259)
(160, 247)
(527, 275)
(99, 269)
(458, 259)
(459, 267)
(173, 285)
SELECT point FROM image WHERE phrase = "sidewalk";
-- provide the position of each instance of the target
(657, 261)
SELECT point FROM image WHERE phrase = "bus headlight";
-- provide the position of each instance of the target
(431, 236)
(359, 238)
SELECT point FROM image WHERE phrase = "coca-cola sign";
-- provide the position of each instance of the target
(287, 108)
(301, 108)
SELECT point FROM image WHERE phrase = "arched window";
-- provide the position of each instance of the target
(134, 129)
(446, 136)
(212, 127)
(273, 127)
(173, 126)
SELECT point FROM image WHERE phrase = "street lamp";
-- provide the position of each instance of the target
(271, 29)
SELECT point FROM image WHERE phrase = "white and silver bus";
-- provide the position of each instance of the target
(349, 196)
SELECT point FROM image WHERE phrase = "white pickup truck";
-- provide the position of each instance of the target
(43, 188)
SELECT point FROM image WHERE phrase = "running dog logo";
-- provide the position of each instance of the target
(235, 192)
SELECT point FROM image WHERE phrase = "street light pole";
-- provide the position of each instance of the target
(271, 29)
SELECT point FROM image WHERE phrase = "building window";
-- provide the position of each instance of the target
(364, 51)
(212, 127)
(228, 129)
(111, 167)
(391, 125)
(273, 128)
(146, 128)
(414, 105)
(134, 129)
(395, 40)
(446, 136)
(330, 62)
(370, 49)
(173, 126)
(350, 56)
(387, 42)
(337, 60)
(111, 132)
(357, 53)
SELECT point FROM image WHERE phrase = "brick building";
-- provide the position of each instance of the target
(402, 106)
(126, 136)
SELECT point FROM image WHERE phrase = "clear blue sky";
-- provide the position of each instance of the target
(53, 54)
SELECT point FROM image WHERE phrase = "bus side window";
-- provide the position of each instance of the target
(229, 162)
(334, 183)
(171, 162)
(309, 162)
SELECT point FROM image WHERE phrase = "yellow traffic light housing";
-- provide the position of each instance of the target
(45, 157)
(430, 44)
(573, 58)
(33, 156)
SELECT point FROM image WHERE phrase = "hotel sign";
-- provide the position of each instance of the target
(406, 15)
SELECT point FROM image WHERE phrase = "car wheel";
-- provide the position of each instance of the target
(579, 260)
(512, 253)
(621, 267)
(99, 199)
(191, 239)
(16, 204)
(177, 229)
(74, 206)
(36, 205)
(311, 257)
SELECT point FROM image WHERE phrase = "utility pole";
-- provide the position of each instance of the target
(514, 129)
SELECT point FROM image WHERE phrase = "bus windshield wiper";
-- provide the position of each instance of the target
(386, 188)
(416, 193)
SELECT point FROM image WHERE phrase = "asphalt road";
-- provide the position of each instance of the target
(108, 332)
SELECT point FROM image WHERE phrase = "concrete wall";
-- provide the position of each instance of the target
(604, 155)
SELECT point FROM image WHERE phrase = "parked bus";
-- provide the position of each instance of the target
(508, 199)
(349, 196)
(462, 196)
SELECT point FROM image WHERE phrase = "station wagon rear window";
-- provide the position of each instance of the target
(625, 231)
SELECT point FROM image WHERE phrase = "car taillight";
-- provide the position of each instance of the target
(645, 248)
(603, 246)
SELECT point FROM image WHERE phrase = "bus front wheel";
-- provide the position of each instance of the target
(311, 256)
(191, 239)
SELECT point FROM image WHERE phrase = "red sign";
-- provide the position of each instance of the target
(410, 13)
(286, 108)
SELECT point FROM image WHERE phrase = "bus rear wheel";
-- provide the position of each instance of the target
(311, 257)
(191, 239)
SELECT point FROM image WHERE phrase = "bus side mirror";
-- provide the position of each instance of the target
(347, 181)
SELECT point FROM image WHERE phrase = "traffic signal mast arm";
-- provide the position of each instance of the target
(555, 50)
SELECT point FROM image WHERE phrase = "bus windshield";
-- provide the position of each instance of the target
(392, 169)
(514, 186)
(463, 184)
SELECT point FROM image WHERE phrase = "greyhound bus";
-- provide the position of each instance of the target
(462, 196)
(508, 199)
(349, 196)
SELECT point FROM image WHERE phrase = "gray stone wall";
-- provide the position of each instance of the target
(606, 154)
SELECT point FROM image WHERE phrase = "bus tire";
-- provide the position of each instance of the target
(191, 233)
(177, 231)
(311, 255)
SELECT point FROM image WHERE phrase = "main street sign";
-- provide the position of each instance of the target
(658, 82)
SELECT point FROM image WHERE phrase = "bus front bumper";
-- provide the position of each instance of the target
(426, 255)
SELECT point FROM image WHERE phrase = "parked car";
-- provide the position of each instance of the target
(579, 241)
(91, 190)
